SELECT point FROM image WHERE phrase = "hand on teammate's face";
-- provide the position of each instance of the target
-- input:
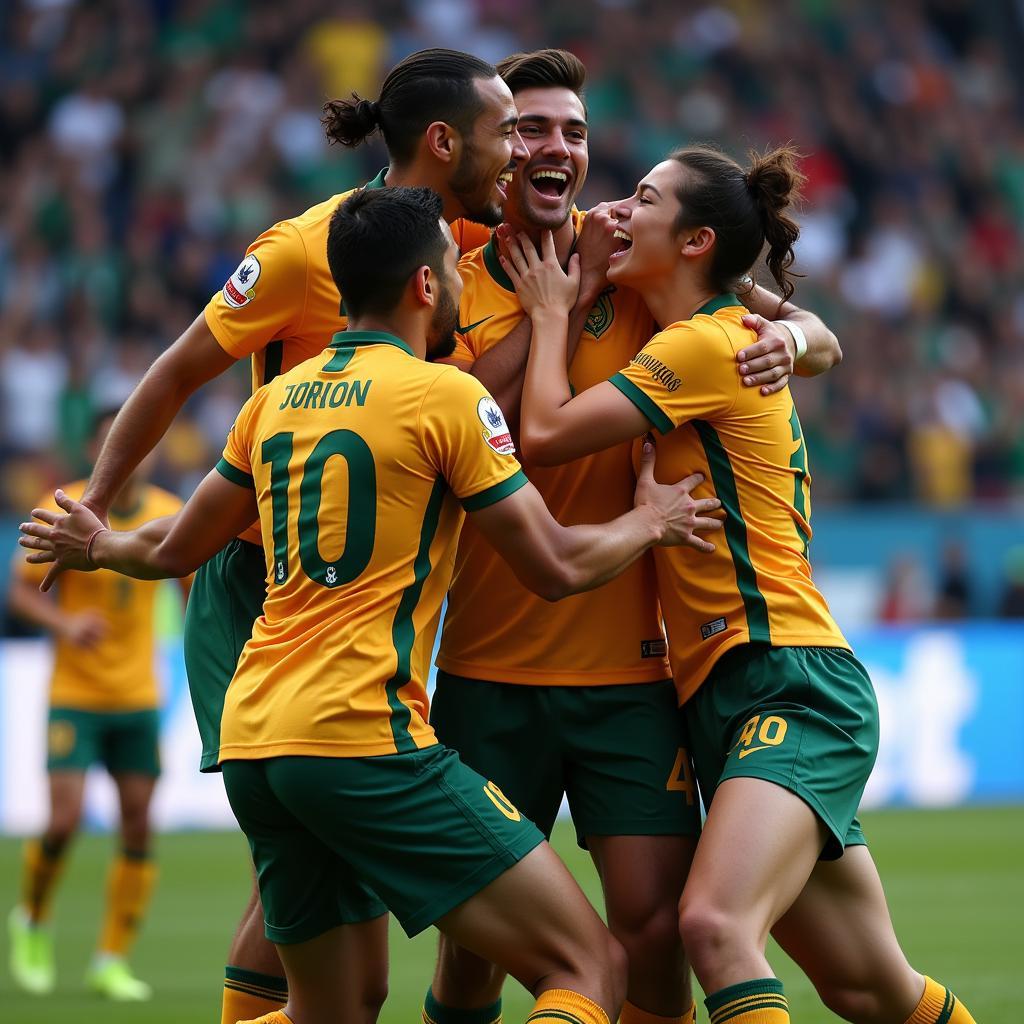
(595, 244)
(684, 516)
(543, 287)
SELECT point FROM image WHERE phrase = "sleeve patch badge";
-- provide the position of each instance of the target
(240, 287)
(496, 432)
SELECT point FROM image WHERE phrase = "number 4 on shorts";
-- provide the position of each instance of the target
(680, 779)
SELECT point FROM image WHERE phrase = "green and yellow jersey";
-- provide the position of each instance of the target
(757, 585)
(281, 305)
(119, 673)
(604, 636)
(363, 461)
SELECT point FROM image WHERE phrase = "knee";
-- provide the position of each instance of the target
(708, 933)
(62, 828)
(649, 937)
(375, 992)
(135, 830)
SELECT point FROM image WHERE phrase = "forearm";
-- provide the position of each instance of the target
(25, 602)
(593, 554)
(143, 553)
(823, 351)
(547, 384)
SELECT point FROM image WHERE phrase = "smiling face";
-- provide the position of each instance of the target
(650, 246)
(489, 156)
(553, 127)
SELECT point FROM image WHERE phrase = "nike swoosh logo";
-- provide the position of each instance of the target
(750, 750)
(466, 330)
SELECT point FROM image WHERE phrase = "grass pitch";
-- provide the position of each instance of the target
(954, 879)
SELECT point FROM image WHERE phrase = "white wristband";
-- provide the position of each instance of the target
(799, 338)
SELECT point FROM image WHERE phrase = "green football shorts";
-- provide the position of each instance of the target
(618, 752)
(226, 599)
(805, 718)
(124, 742)
(339, 840)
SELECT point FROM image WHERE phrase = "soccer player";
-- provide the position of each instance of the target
(584, 686)
(782, 717)
(360, 463)
(449, 123)
(104, 708)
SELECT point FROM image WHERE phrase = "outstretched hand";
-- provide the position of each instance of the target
(539, 280)
(62, 538)
(683, 515)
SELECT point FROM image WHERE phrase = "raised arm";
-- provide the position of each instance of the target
(555, 561)
(190, 362)
(174, 546)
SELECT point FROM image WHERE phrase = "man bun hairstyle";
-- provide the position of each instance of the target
(430, 85)
(543, 69)
(377, 239)
(746, 209)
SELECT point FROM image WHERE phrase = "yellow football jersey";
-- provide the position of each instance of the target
(118, 674)
(281, 305)
(604, 636)
(363, 461)
(757, 585)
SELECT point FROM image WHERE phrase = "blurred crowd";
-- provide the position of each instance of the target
(144, 143)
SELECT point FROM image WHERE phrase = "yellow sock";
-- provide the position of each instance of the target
(939, 1006)
(750, 1002)
(634, 1015)
(250, 995)
(42, 868)
(560, 1006)
(274, 1017)
(129, 886)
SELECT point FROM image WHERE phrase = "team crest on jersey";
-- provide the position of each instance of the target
(600, 318)
(496, 432)
(240, 287)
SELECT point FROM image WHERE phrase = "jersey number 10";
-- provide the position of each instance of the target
(361, 526)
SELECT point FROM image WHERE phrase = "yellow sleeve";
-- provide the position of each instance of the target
(265, 298)
(468, 442)
(236, 462)
(685, 373)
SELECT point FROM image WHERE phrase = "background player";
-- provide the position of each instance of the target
(104, 708)
(584, 686)
(329, 762)
(783, 718)
(449, 122)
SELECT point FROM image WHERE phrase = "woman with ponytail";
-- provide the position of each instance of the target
(781, 718)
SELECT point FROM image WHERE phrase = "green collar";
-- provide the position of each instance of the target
(351, 338)
(377, 182)
(712, 306)
(494, 267)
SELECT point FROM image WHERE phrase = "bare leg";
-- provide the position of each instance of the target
(250, 949)
(840, 933)
(536, 924)
(759, 846)
(341, 975)
(463, 980)
(135, 793)
(643, 879)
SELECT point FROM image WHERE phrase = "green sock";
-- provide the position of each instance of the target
(435, 1013)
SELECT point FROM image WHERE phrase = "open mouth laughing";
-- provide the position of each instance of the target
(625, 240)
(550, 182)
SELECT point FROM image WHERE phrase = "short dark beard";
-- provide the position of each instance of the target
(441, 334)
(465, 181)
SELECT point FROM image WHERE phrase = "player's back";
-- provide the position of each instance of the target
(355, 456)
